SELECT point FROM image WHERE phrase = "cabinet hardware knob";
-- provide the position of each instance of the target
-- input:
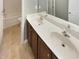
(48, 55)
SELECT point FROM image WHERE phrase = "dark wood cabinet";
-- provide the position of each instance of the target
(39, 48)
(43, 51)
(53, 56)
(32, 38)
(29, 32)
(34, 42)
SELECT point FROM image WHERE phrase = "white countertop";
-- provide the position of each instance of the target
(44, 30)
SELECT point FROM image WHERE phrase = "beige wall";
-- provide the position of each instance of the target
(12, 6)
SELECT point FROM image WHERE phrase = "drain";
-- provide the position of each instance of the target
(63, 45)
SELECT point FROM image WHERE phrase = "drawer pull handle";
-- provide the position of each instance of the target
(48, 55)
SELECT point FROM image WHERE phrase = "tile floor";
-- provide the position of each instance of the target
(11, 47)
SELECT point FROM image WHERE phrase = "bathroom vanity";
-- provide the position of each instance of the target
(40, 49)
(51, 37)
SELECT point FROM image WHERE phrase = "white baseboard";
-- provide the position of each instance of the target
(6, 26)
(24, 42)
(9, 23)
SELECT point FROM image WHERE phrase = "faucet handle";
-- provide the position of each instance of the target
(65, 34)
(68, 26)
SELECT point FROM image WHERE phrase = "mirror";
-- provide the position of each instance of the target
(65, 9)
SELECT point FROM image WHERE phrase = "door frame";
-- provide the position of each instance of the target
(1, 21)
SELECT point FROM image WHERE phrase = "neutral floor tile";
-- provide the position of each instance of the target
(11, 47)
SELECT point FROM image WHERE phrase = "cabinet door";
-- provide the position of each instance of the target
(32, 38)
(34, 42)
(53, 56)
(43, 51)
(29, 31)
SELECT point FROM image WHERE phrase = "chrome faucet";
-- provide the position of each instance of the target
(66, 29)
(65, 34)
(41, 18)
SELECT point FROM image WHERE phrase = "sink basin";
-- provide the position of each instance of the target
(62, 39)
(64, 46)
(64, 42)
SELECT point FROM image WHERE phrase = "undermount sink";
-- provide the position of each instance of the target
(64, 45)
(64, 41)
